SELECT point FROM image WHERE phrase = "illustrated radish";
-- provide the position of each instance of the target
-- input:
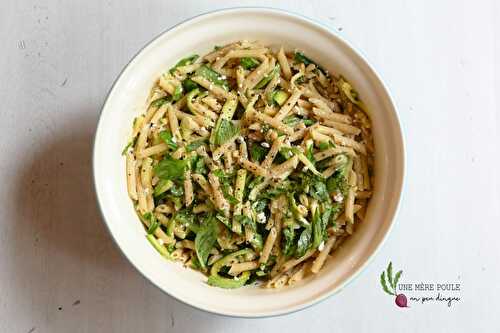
(401, 301)
(389, 284)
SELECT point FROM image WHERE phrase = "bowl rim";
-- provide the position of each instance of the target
(398, 131)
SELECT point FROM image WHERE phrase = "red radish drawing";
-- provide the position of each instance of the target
(392, 281)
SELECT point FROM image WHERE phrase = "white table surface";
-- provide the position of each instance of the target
(60, 271)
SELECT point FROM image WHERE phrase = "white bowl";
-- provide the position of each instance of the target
(199, 35)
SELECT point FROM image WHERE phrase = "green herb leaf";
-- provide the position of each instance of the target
(205, 240)
(319, 226)
(269, 76)
(304, 242)
(153, 222)
(257, 242)
(245, 220)
(163, 186)
(257, 152)
(384, 285)
(309, 122)
(195, 145)
(227, 129)
(130, 144)
(168, 138)
(177, 95)
(337, 182)
(170, 168)
(199, 166)
(160, 101)
(249, 63)
(288, 242)
(301, 58)
(189, 85)
(184, 62)
(211, 75)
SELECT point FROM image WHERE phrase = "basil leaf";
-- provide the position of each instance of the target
(170, 168)
(205, 240)
(226, 130)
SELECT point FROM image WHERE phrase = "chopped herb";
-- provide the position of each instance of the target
(168, 138)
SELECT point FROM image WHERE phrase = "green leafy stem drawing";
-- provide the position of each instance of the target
(389, 284)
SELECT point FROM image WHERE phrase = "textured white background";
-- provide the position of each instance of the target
(59, 270)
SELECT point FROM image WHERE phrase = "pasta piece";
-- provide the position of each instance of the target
(188, 188)
(323, 254)
(238, 268)
(131, 178)
(266, 251)
(285, 68)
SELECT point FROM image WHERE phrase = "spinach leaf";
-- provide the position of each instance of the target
(205, 240)
(170, 168)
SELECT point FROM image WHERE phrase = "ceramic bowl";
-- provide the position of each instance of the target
(127, 99)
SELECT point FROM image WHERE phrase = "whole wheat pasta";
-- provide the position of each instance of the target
(237, 156)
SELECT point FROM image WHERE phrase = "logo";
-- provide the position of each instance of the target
(387, 279)
(420, 292)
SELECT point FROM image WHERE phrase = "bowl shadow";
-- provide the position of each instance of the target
(61, 252)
